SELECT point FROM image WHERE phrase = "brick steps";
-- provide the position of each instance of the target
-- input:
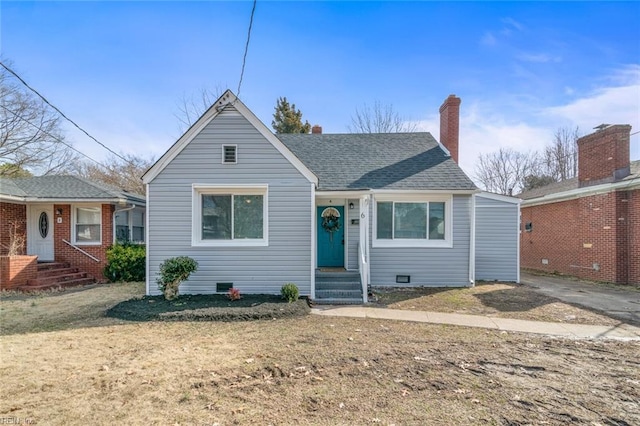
(57, 275)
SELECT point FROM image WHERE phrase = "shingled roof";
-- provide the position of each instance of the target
(63, 188)
(570, 184)
(377, 161)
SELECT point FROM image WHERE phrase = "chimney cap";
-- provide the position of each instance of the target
(602, 126)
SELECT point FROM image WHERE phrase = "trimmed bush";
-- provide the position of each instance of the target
(290, 292)
(172, 272)
(125, 262)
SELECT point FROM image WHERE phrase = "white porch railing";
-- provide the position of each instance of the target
(363, 247)
(81, 251)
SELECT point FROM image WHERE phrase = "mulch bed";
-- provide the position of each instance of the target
(213, 307)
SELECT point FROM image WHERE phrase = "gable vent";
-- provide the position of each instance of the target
(229, 154)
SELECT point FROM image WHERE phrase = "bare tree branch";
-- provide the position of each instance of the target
(504, 171)
(118, 173)
(379, 119)
(190, 108)
(30, 131)
(561, 157)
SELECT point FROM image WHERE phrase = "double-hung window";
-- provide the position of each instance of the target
(230, 216)
(88, 225)
(413, 221)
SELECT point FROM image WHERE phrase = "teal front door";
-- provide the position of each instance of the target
(331, 236)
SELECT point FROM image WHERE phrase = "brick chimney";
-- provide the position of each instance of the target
(316, 130)
(603, 156)
(450, 125)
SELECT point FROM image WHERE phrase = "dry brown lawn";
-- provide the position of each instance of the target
(490, 299)
(310, 370)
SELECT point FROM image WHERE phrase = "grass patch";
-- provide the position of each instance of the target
(212, 307)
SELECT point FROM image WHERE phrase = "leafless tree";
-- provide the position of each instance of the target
(118, 173)
(379, 119)
(561, 156)
(31, 137)
(505, 171)
(190, 108)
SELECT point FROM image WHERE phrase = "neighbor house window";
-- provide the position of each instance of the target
(230, 216)
(415, 221)
(130, 226)
(88, 225)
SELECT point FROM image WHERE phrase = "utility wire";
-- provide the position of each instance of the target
(57, 139)
(246, 47)
(61, 113)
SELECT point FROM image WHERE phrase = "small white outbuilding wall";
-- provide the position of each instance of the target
(497, 248)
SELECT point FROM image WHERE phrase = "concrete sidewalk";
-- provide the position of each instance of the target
(622, 331)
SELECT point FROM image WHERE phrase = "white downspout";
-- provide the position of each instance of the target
(472, 243)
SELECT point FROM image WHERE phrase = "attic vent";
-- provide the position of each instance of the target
(229, 154)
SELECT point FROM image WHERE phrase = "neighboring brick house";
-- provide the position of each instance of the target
(69, 221)
(588, 226)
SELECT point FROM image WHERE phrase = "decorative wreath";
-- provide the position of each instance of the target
(330, 223)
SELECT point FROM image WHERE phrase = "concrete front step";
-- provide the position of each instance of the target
(70, 283)
(340, 301)
(337, 294)
(353, 285)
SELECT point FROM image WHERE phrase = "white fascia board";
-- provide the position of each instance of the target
(426, 191)
(582, 192)
(187, 137)
(499, 197)
(273, 139)
(13, 199)
(341, 194)
(25, 200)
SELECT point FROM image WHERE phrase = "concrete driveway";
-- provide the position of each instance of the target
(615, 301)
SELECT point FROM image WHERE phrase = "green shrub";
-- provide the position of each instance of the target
(125, 262)
(172, 272)
(290, 292)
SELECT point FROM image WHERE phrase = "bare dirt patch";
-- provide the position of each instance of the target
(490, 299)
(309, 370)
(314, 370)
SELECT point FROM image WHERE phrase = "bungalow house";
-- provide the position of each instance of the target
(332, 213)
(68, 224)
(588, 226)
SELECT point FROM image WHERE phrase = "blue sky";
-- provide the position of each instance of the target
(523, 69)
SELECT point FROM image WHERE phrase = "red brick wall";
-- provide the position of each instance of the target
(65, 253)
(633, 224)
(601, 153)
(9, 214)
(574, 235)
(17, 270)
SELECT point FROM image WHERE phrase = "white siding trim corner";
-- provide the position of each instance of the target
(472, 243)
(313, 259)
(146, 241)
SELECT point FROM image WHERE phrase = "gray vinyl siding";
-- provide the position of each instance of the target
(353, 232)
(496, 240)
(287, 258)
(436, 267)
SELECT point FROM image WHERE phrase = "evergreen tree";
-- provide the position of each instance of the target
(287, 119)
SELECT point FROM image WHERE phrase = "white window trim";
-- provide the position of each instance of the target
(74, 222)
(196, 208)
(223, 154)
(129, 225)
(415, 198)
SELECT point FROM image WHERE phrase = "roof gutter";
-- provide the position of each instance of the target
(581, 192)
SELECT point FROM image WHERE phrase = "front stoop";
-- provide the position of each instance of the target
(56, 275)
(338, 288)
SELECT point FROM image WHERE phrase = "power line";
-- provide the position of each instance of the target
(61, 113)
(246, 47)
(57, 139)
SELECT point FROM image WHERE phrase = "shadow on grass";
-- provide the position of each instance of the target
(208, 308)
